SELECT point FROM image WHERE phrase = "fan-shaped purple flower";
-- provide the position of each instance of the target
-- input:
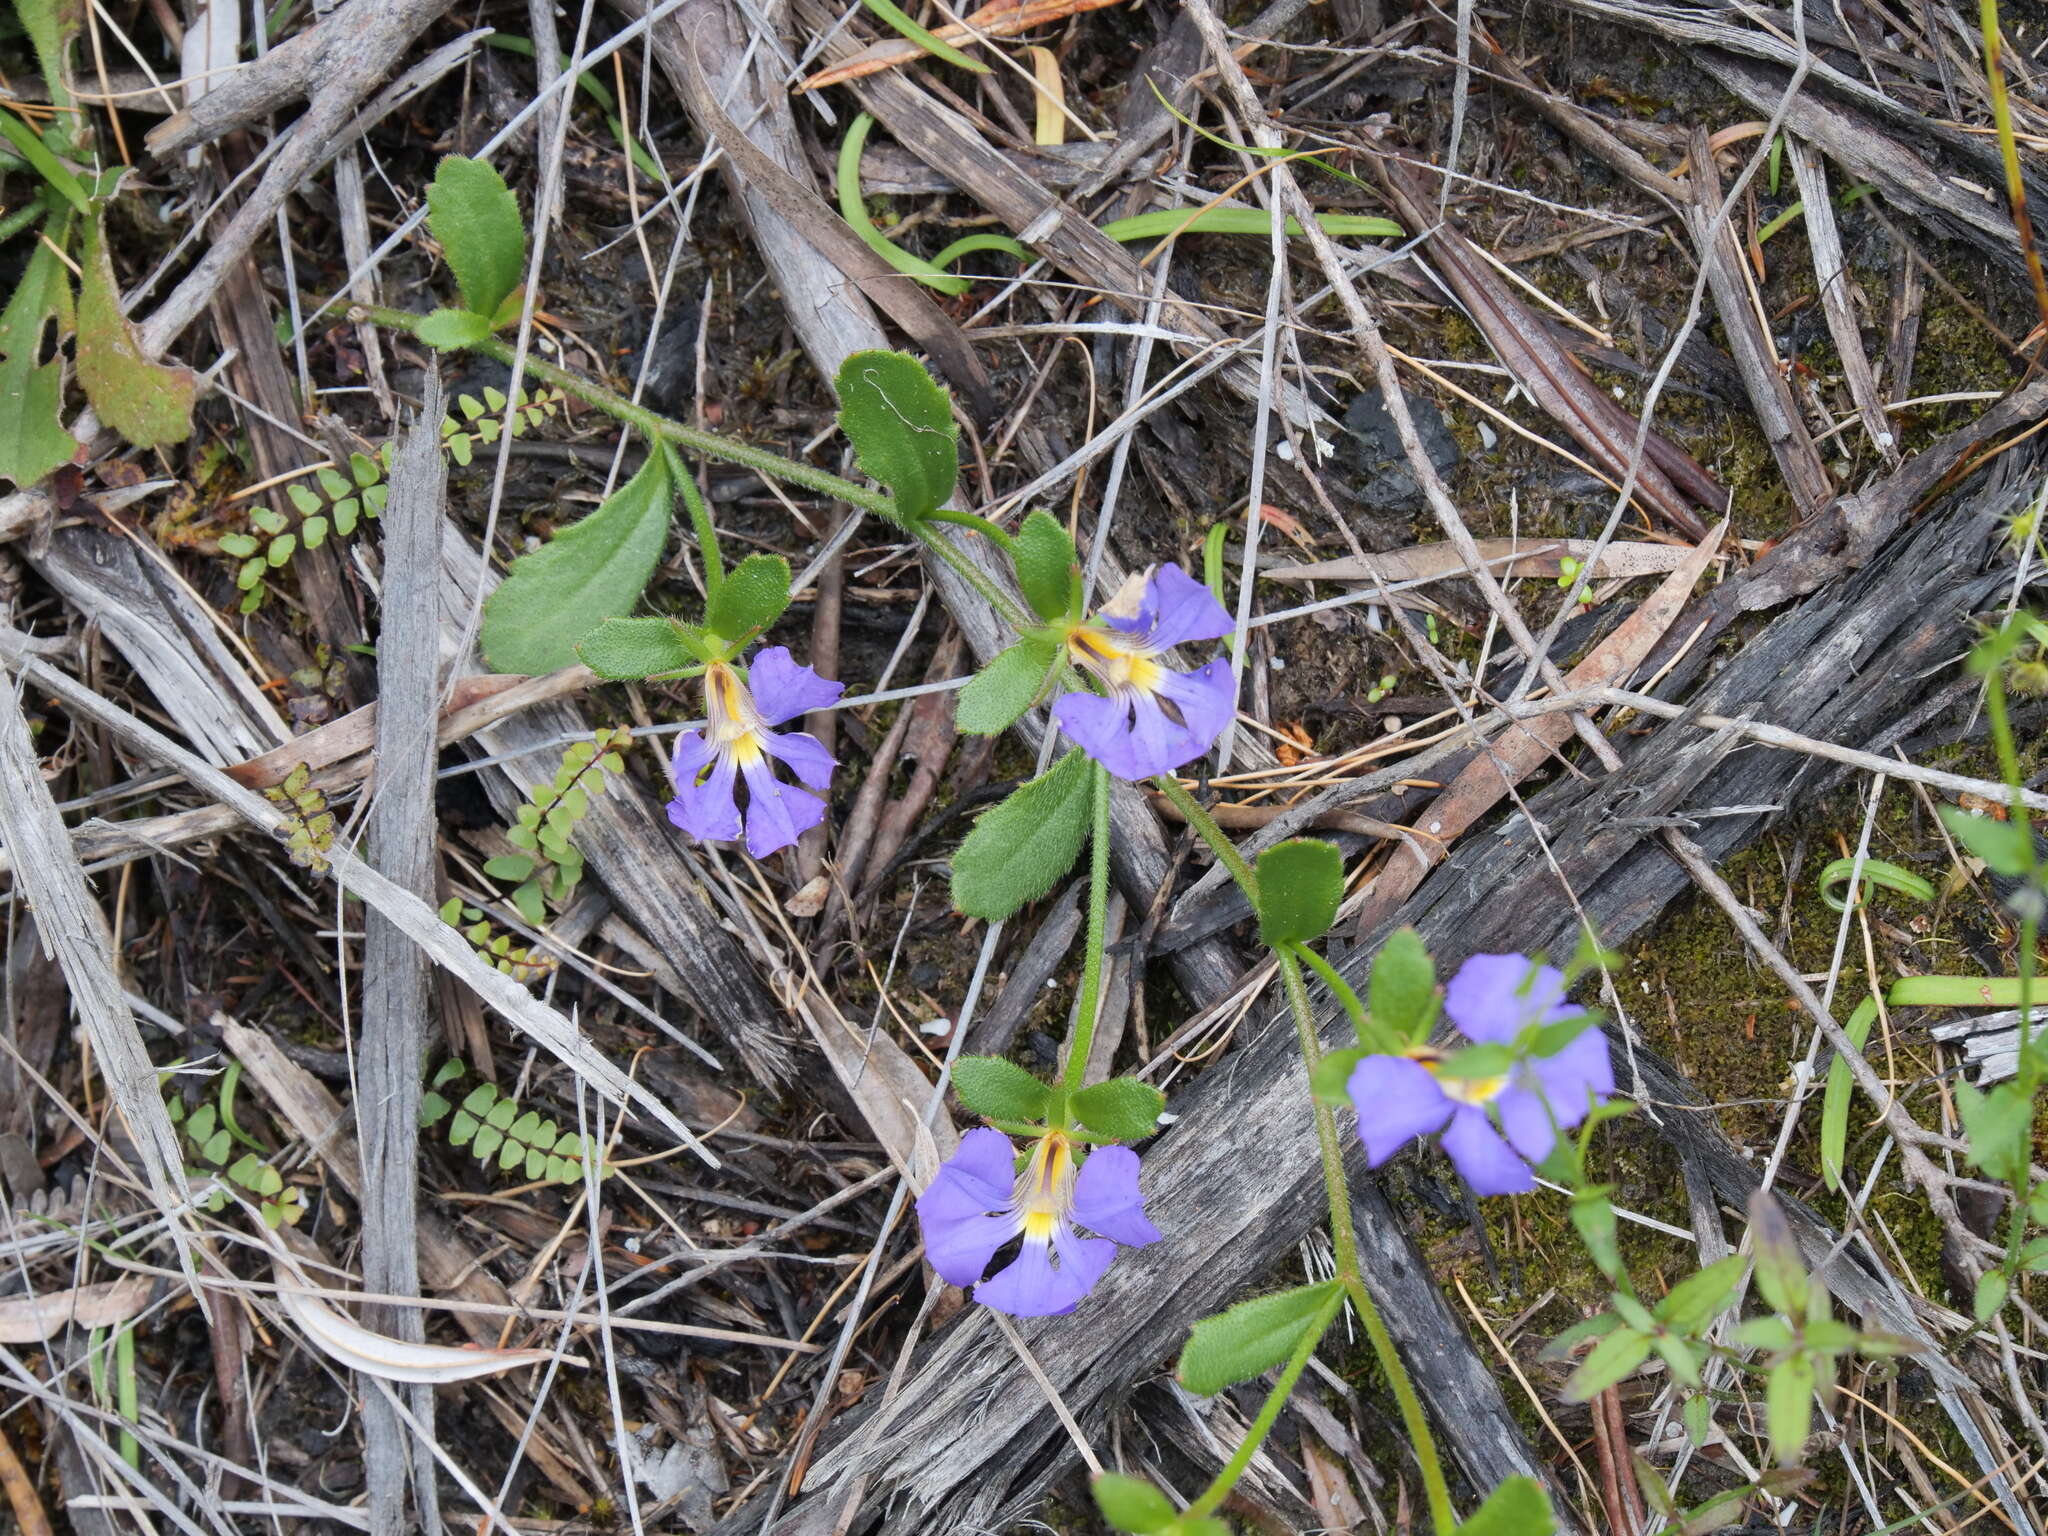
(978, 1202)
(1492, 999)
(736, 743)
(1153, 718)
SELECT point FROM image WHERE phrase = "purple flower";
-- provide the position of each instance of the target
(736, 741)
(978, 1202)
(1153, 718)
(1493, 998)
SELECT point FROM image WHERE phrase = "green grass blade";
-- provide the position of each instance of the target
(932, 45)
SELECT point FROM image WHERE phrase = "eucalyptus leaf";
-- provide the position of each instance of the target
(1018, 850)
(901, 426)
(591, 571)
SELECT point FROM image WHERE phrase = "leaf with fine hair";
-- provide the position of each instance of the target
(591, 571)
(1301, 883)
(630, 649)
(1018, 850)
(1122, 1108)
(32, 437)
(1254, 1336)
(1132, 1504)
(997, 1089)
(1046, 563)
(1401, 992)
(1005, 688)
(900, 423)
(147, 403)
(449, 330)
(752, 596)
(475, 219)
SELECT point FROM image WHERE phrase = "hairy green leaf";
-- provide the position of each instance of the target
(1006, 687)
(1780, 1276)
(1132, 1504)
(1254, 1336)
(1018, 850)
(1788, 1406)
(1698, 1299)
(591, 571)
(147, 403)
(750, 598)
(629, 649)
(2006, 847)
(447, 330)
(1516, 1508)
(1999, 1125)
(474, 216)
(1121, 1107)
(1614, 1357)
(32, 437)
(901, 426)
(1301, 882)
(1401, 993)
(1046, 562)
(999, 1089)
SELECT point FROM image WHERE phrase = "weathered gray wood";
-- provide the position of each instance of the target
(397, 977)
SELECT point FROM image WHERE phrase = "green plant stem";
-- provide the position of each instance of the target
(126, 1400)
(700, 519)
(1219, 1488)
(1083, 1038)
(970, 573)
(1371, 1035)
(1343, 1235)
(993, 532)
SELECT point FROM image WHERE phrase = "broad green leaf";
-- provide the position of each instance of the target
(1254, 1336)
(1612, 1358)
(474, 216)
(1122, 1107)
(1301, 882)
(591, 571)
(1018, 850)
(2033, 1255)
(509, 866)
(1132, 1504)
(1046, 562)
(1788, 1406)
(1331, 1080)
(1698, 1299)
(1770, 1334)
(1679, 1356)
(1517, 1507)
(1992, 1287)
(1592, 1216)
(1006, 687)
(50, 25)
(1699, 1417)
(637, 648)
(148, 404)
(750, 598)
(999, 1089)
(2006, 847)
(447, 330)
(1780, 1275)
(1561, 1347)
(1401, 994)
(1999, 1126)
(901, 426)
(1834, 1104)
(32, 437)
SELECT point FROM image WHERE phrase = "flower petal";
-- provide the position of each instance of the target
(1487, 1163)
(1575, 1076)
(806, 756)
(1485, 999)
(777, 813)
(1206, 698)
(1158, 743)
(1101, 728)
(984, 1166)
(688, 757)
(959, 1245)
(1033, 1286)
(1397, 1101)
(1107, 1199)
(708, 810)
(1527, 1121)
(1182, 609)
(783, 690)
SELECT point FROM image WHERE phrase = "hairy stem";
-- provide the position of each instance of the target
(1205, 826)
(1098, 921)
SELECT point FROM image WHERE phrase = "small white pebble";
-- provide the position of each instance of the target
(1284, 451)
(1435, 827)
(936, 1027)
(632, 1245)
(1276, 664)
(1391, 725)
(1167, 1118)
(1487, 436)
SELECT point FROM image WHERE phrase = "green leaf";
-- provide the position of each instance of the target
(474, 216)
(1780, 1275)
(1592, 1216)
(1301, 882)
(938, 48)
(1992, 1287)
(1561, 1347)
(1699, 1417)
(532, 906)
(1132, 1504)
(32, 437)
(2006, 847)
(1999, 1125)
(630, 649)
(901, 426)
(1244, 221)
(147, 403)
(854, 209)
(1788, 1406)
(1019, 849)
(1331, 1080)
(1006, 687)
(509, 866)
(1678, 1355)
(1698, 1299)
(1612, 1358)
(54, 172)
(449, 330)
(238, 546)
(591, 571)
(1046, 563)
(1254, 1336)
(1401, 994)
(1834, 1104)
(1122, 1108)
(2033, 1255)
(999, 1089)
(1770, 1334)
(750, 598)
(1516, 1508)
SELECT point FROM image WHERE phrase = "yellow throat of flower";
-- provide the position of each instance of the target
(1462, 1090)
(1045, 1188)
(1109, 657)
(732, 724)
